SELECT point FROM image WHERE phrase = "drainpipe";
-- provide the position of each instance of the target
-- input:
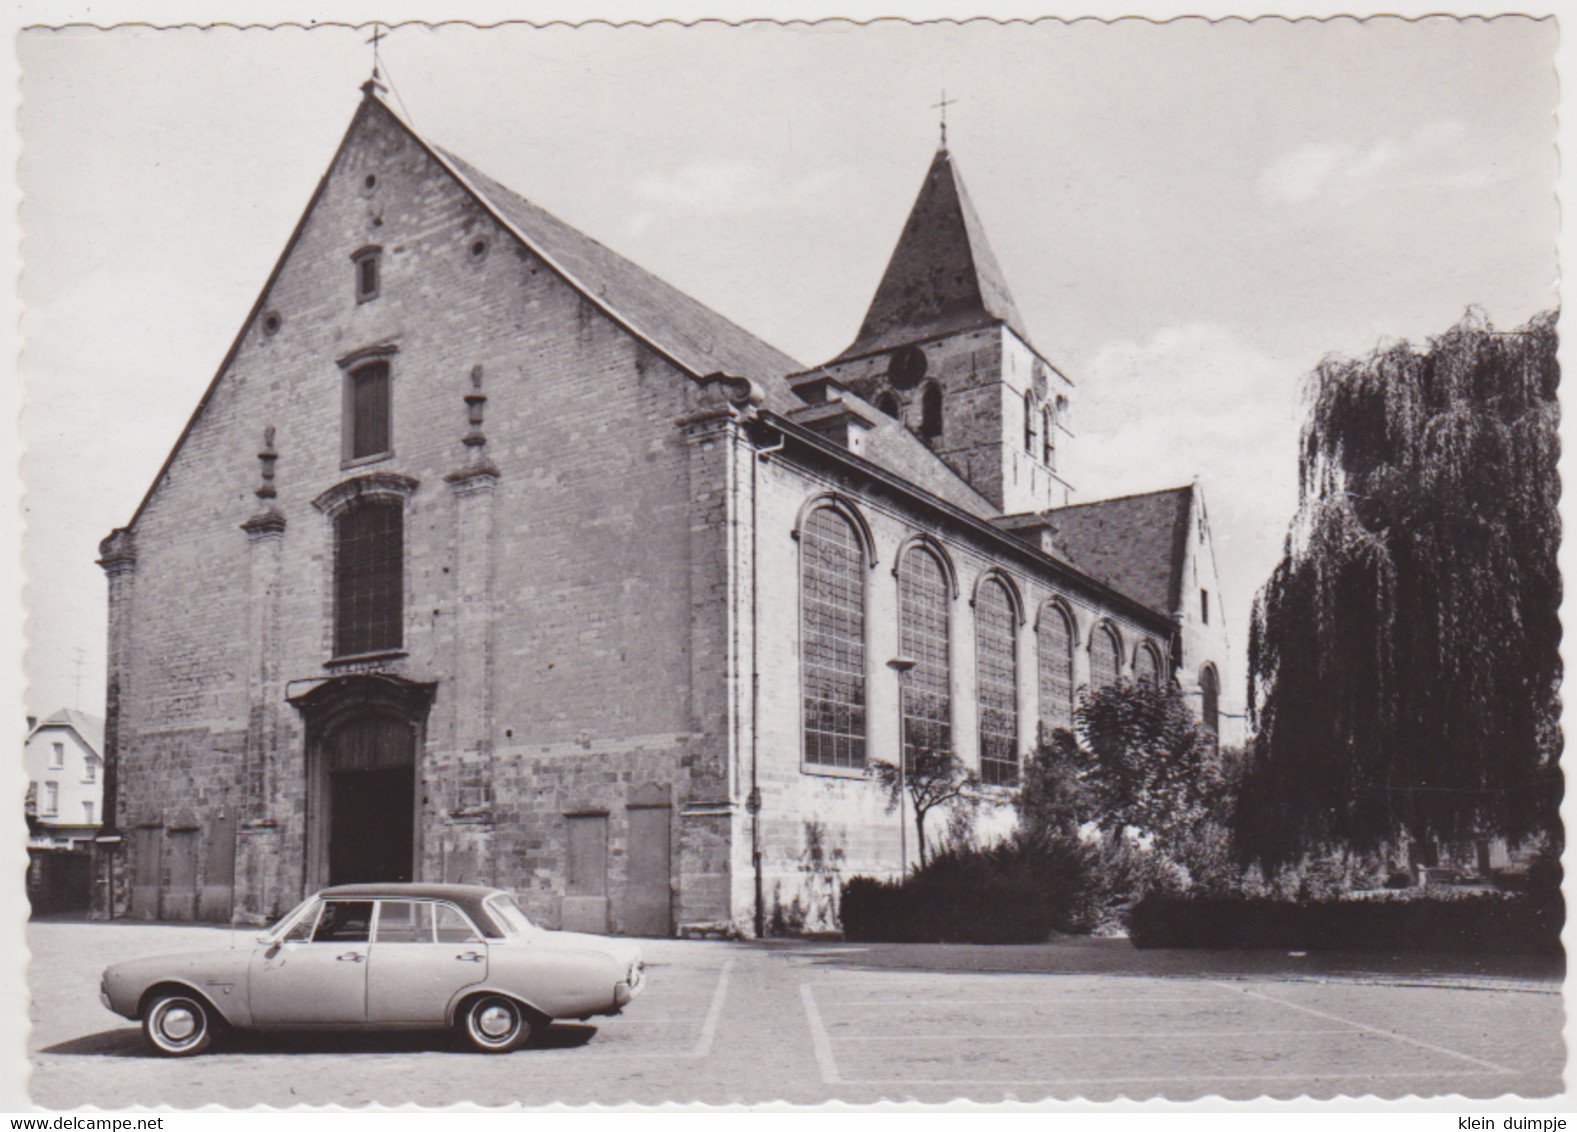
(753, 803)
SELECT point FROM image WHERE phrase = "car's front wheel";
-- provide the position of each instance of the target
(178, 1025)
(495, 1024)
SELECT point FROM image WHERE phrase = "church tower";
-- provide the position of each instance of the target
(944, 349)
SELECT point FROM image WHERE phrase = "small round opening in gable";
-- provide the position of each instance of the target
(371, 181)
(478, 247)
(271, 323)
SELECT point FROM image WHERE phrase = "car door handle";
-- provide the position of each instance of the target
(471, 957)
(350, 957)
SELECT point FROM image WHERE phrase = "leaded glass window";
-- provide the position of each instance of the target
(369, 556)
(832, 639)
(1104, 658)
(1054, 651)
(923, 636)
(996, 684)
(1147, 665)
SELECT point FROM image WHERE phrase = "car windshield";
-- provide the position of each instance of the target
(508, 916)
(287, 917)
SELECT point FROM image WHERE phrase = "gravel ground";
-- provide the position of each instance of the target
(807, 1022)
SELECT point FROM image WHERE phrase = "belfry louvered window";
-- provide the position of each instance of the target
(923, 636)
(832, 639)
(996, 684)
(1054, 652)
(369, 600)
(1104, 658)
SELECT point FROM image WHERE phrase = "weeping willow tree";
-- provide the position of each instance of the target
(1403, 657)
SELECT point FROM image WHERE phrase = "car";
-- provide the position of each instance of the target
(382, 956)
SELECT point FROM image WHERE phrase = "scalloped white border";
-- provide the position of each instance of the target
(1437, 1115)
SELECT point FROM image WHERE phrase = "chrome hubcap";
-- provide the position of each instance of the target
(179, 1023)
(496, 1021)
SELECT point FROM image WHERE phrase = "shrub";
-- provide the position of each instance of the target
(1499, 923)
(1014, 892)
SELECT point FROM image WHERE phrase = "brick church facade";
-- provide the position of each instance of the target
(489, 556)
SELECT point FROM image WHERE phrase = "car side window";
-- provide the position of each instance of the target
(453, 927)
(344, 921)
(402, 921)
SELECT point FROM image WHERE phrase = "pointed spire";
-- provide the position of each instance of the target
(942, 277)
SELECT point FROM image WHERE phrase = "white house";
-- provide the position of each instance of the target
(65, 772)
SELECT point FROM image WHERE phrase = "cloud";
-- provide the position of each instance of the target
(1437, 155)
(1212, 405)
(728, 187)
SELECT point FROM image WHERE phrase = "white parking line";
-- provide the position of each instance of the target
(1023, 1000)
(1190, 1079)
(818, 1038)
(1044, 1036)
(714, 1015)
(1490, 1065)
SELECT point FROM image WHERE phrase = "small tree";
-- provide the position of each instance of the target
(1136, 758)
(935, 779)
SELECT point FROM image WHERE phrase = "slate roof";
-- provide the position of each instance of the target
(698, 338)
(942, 277)
(89, 727)
(1136, 544)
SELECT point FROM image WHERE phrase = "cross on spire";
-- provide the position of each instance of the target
(378, 35)
(942, 106)
(373, 86)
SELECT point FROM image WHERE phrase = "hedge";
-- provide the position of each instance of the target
(1010, 893)
(1479, 923)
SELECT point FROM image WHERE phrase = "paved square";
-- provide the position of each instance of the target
(723, 1022)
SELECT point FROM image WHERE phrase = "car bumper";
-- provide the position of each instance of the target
(633, 984)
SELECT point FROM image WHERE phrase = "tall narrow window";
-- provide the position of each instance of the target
(924, 637)
(1104, 654)
(1054, 651)
(1204, 607)
(367, 403)
(367, 262)
(57, 756)
(1029, 422)
(832, 639)
(369, 555)
(931, 411)
(1147, 665)
(1048, 426)
(87, 813)
(1210, 699)
(90, 771)
(51, 799)
(996, 684)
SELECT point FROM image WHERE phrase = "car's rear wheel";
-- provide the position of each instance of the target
(495, 1024)
(178, 1025)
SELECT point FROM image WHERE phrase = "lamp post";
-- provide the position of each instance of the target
(902, 665)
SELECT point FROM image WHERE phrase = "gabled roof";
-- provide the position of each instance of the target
(1136, 543)
(89, 727)
(690, 334)
(942, 278)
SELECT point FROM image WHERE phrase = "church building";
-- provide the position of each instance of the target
(488, 556)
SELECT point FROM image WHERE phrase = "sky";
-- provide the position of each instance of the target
(1189, 215)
